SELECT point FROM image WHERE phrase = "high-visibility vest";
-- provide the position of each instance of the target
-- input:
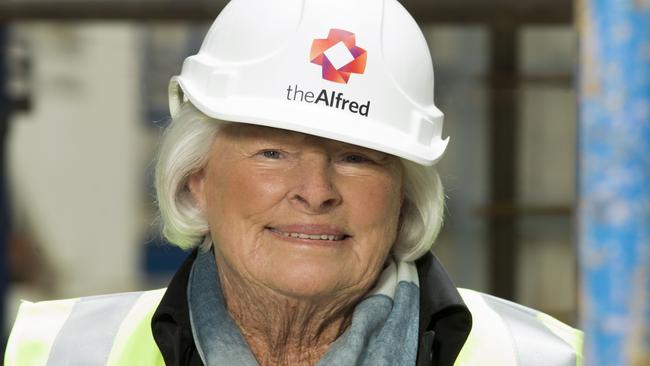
(116, 330)
(506, 333)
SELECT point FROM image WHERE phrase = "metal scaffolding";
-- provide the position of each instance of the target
(452, 11)
(4, 206)
(614, 180)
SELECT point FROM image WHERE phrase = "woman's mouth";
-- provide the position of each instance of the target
(312, 235)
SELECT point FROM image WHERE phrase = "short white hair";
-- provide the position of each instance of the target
(184, 150)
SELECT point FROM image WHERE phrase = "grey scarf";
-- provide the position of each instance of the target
(384, 328)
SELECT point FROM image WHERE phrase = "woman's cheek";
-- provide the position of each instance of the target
(379, 195)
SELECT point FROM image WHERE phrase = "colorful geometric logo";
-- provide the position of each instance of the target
(339, 56)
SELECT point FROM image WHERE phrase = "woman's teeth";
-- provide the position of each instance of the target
(311, 236)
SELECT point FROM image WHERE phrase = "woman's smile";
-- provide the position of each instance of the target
(310, 235)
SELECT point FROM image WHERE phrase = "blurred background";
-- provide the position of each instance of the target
(85, 101)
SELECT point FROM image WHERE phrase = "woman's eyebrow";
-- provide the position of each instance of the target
(365, 150)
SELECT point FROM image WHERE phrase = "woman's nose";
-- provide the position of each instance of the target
(314, 189)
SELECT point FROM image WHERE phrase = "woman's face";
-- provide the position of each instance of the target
(303, 216)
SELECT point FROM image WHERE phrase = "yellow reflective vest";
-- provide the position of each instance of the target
(116, 330)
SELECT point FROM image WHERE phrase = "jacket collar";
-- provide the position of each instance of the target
(170, 324)
(445, 320)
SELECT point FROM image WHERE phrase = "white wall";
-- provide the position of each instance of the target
(77, 158)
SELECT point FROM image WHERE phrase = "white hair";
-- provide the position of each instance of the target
(184, 150)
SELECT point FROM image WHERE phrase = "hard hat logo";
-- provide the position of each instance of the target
(339, 56)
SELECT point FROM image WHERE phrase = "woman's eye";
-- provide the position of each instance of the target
(271, 154)
(356, 159)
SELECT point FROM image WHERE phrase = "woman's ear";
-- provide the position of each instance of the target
(196, 185)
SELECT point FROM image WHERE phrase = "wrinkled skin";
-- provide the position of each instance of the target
(302, 227)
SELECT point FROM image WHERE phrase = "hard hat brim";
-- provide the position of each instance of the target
(305, 118)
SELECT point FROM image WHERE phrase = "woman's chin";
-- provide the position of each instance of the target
(308, 281)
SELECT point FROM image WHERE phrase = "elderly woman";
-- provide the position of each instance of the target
(299, 258)
(299, 166)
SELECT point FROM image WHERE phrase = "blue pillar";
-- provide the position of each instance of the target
(614, 180)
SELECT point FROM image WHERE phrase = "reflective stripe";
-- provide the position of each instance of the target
(36, 327)
(570, 335)
(535, 344)
(134, 343)
(507, 334)
(489, 342)
(87, 336)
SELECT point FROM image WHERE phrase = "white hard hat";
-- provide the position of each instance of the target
(357, 71)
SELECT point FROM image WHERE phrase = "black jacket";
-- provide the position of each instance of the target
(445, 321)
